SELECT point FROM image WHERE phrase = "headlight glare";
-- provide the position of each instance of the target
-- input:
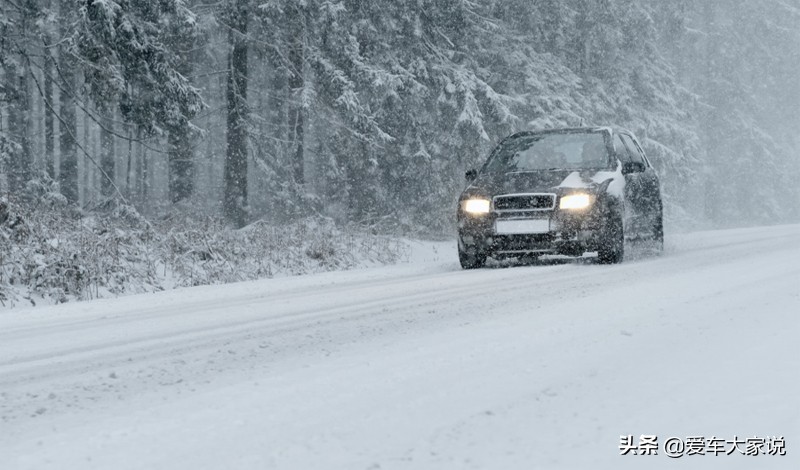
(476, 206)
(575, 201)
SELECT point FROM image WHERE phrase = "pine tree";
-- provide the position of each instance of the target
(129, 65)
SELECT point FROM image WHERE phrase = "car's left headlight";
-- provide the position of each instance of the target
(575, 201)
(476, 206)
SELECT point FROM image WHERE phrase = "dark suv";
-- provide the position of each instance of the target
(563, 192)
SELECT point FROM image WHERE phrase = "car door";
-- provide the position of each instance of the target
(636, 201)
(651, 189)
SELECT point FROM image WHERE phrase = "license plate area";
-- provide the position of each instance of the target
(522, 226)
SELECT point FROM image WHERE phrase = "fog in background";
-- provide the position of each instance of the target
(369, 112)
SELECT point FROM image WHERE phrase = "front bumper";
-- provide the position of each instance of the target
(570, 234)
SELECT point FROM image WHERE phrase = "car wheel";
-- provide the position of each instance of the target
(612, 243)
(658, 234)
(471, 260)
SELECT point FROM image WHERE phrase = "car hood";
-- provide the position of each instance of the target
(493, 184)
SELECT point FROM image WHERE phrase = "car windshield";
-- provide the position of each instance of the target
(549, 151)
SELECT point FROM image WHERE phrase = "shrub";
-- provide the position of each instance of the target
(55, 254)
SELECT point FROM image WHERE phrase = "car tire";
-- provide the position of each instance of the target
(611, 249)
(471, 260)
(658, 234)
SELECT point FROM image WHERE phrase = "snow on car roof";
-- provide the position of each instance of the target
(557, 130)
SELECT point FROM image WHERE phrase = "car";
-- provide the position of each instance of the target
(575, 192)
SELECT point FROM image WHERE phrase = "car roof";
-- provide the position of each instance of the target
(576, 130)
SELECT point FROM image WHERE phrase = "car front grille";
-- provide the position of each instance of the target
(525, 202)
(522, 243)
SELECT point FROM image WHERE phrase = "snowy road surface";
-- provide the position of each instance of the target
(421, 366)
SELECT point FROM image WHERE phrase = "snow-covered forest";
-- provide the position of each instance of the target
(136, 135)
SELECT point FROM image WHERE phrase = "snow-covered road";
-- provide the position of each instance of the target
(421, 366)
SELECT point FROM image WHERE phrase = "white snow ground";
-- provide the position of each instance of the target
(420, 366)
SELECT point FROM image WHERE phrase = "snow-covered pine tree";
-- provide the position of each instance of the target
(134, 57)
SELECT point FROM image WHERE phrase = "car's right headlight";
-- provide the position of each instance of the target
(575, 201)
(476, 206)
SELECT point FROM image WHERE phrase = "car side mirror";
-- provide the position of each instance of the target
(470, 175)
(632, 167)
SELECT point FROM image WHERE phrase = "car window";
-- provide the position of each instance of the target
(640, 151)
(634, 154)
(622, 150)
(632, 150)
(549, 151)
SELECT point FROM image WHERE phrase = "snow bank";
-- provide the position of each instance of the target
(53, 256)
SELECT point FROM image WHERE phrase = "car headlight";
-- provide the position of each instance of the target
(476, 206)
(575, 201)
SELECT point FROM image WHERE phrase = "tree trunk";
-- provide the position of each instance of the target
(181, 151)
(145, 181)
(19, 108)
(107, 155)
(181, 164)
(68, 167)
(88, 190)
(235, 177)
(138, 173)
(128, 191)
(18, 119)
(49, 130)
(25, 100)
(296, 83)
